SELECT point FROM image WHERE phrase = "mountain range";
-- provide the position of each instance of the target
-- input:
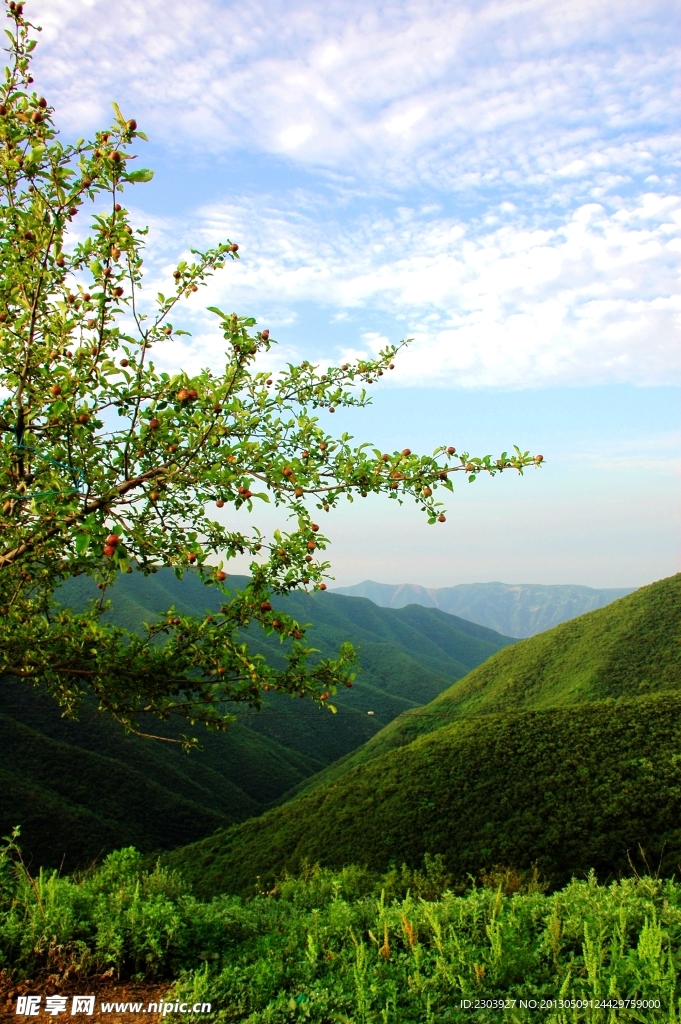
(562, 751)
(79, 789)
(518, 610)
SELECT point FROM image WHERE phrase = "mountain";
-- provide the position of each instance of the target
(562, 750)
(82, 788)
(518, 610)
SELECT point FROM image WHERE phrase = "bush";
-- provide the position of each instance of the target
(355, 946)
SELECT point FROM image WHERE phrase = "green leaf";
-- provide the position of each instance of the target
(143, 174)
(82, 542)
(214, 309)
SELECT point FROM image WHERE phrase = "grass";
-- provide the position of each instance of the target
(354, 946)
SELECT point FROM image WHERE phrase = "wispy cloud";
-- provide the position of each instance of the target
(502, 300)
(497, 178)
(449, 93)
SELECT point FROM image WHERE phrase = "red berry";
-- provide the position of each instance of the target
(191, 557)
(265, 606)
(322, 586)
(108, 550)
(154, 423)
(221, 575)
(55, 390)
(220, 503)
(112, 540)
(265, 334)
(406, 451)
(314, 527)
(451, 451)
(441, 519)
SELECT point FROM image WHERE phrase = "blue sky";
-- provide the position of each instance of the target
(498, 180)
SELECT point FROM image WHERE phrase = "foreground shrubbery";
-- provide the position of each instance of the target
(352, 946)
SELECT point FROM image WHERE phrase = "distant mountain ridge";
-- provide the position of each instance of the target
(520, 610)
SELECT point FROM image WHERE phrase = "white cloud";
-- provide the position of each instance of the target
(498, 301)
(450, 93)
(498, 179)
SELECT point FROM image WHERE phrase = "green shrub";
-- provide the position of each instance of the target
(354, 946)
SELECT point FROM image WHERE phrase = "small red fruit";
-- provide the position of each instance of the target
(406, 451)
(183, 395)
(451, 451)
(221, 575)
(392, 366)
(322, 586)
(154, 495)
(73, 211)
(265, 334)
(345, 366)
(276, 624)
(112, 540)
(311, 545)
(55, 390)
(427, 492)
(124, 362)
(234, 247)
(265, 606)
(118, 291)
(441, 519)
(246, 494)
(220, 503)
(193, 394)
(287, 471)
(348, 683)
(108, 550)
(132, 125)
(154, 423)
(305, 455)
(539, 458)
(83, 418)
(299, 492)
(314, 527)
(331, 409)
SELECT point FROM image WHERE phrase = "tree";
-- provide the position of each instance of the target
(107, 463)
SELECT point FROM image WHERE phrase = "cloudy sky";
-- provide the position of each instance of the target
(497, 180)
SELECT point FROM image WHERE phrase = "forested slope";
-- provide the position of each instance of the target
(82, 788)
(564, 750)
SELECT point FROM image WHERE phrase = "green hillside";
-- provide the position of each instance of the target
(629, 648)
(81, 788)
(564, 750)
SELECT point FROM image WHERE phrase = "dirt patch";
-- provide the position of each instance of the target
(133, 998)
